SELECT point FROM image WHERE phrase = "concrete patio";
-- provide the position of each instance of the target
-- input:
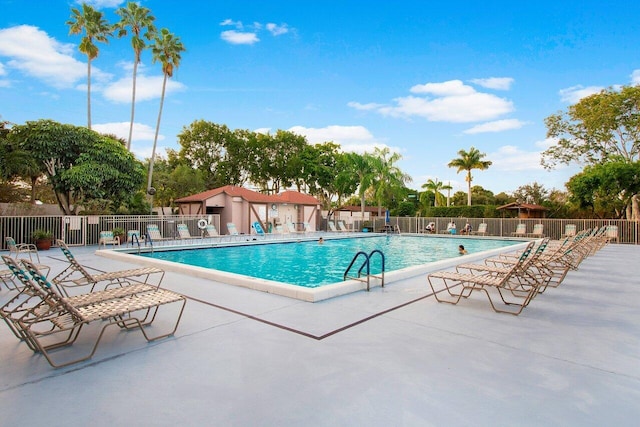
(389, 357)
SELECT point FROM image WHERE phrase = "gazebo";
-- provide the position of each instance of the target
(525, 210)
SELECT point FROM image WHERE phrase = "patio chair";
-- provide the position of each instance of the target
(611, 233)
(332, 227)
(569, 230)
(343, 227)
(233, 231)
(257, 227)
(481, 231)
(521, 231)
(15, 249)
(538, 230)
(183, 232)
(153, 234)
(502, 282)
(6, 276)
(76, 275)
(292, 228)
(210, 231)
(107, 238)
(134, 237)
(67, 317)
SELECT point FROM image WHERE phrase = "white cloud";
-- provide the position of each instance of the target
(3, 72)
(338, 134)
(99, 4)
(512, 158)
(546, 143)
(498, 83)
(232, 23)
(141, 132)
(236, 37)
(365, 107)
(34, 53)
(277, 30)
(147, 88)
(574, 94)
(449, 88)
(635, 77)
(452, 101)
(496, 126)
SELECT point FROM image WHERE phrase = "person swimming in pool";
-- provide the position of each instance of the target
(320, 241)
(462, 250)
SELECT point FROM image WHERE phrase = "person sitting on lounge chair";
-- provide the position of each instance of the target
(431, 227)
(451, 228)
(466, 229)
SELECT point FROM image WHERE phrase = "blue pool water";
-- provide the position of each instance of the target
(311, 264)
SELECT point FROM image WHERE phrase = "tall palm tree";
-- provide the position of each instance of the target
(388, 176)
(435, 186)
(95, 28)
(139, 20)
(468, 161)
(166, 48)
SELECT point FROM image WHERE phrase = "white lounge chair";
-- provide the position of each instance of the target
(482, 230)
(107, 238)
(521, 231)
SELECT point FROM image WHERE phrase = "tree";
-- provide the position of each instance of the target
(533, 193)
(166, 49)
(468, 161)
(601, 128)
(95, 28)
(606, 188)
(80, 164)
(363, 169)
(139, 20)
(388, 178)
(435, 186)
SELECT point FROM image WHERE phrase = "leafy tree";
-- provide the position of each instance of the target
(363, 168)
(480, 196)
(166, 48)
(467, 162)
(95, 28)
(601, 128)
(80, 164)
(435, 187)
(606, 188)
(502, 199)
(140, 22)
(534, 193)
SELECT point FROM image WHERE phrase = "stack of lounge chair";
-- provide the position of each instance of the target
(48, 320)
(515, 280)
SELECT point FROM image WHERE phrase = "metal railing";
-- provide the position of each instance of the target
(85, 230)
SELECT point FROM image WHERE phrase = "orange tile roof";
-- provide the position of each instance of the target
(252, 196)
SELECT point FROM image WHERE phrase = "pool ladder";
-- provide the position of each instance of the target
(367, 264)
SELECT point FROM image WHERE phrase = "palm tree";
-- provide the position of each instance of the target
(363, 167)
(95, 28)
(435, 187)
(468, 161)
(388, 177)
(166, 49)
(139, 20)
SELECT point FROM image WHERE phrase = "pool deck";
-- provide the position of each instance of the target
(389, 357)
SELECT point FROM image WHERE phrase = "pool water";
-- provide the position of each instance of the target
(311, 264)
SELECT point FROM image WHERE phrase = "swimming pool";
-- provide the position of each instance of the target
(311, 265)
(406, 257)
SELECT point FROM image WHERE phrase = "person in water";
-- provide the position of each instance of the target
(320, 241)
(462, 250)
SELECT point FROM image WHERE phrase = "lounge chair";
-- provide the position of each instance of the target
(6, 276)
(502, 281)
(76, 275)
(153, 234)
(211, 232)
(66, 317)
(538, 230)
(15, 249)
(332, 227)
(233, 231)
(134, 237)
(292, 228)
(521, 231)
(107, 238)
(183, 232)
(611, 233)
(343, 227)
(481, 231)
(569, 230)
(257, 228)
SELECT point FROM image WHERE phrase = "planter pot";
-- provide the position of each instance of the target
(43, 244)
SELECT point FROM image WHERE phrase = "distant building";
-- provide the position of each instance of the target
(243, 207)
(525, 210)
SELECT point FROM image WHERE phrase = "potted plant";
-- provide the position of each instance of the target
(120, 234)
(42, 239)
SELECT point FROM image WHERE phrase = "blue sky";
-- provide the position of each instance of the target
(424, 78)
